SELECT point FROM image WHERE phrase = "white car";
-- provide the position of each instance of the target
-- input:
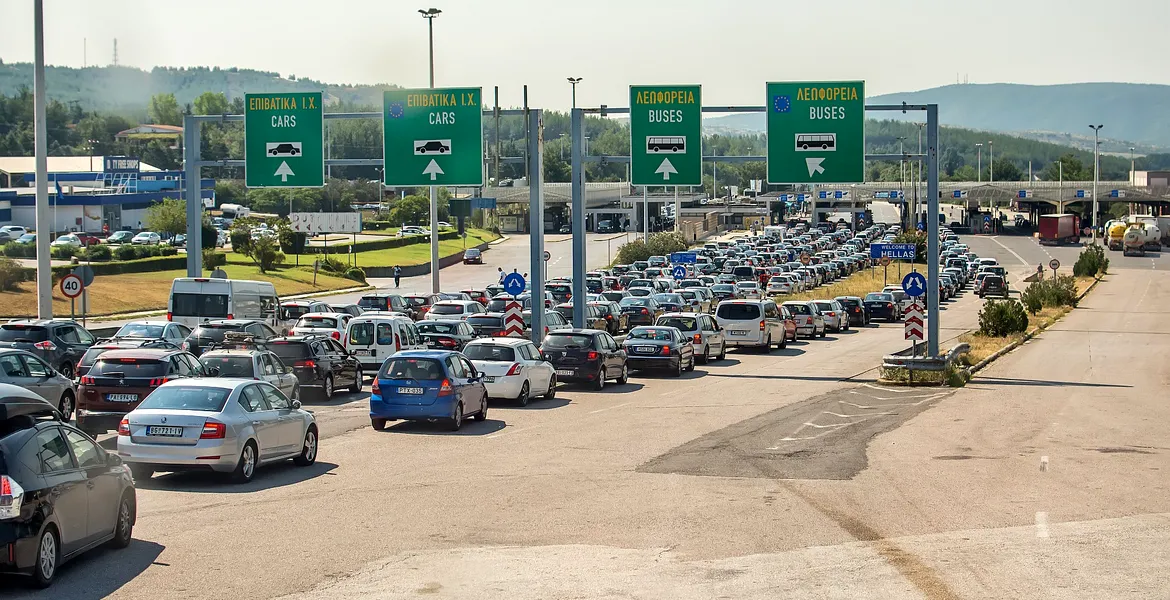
(512, 368)
(13, 231)
(412, 230)
(836, 319)
(66, 241)
(778, 285)
(146, 238)
(332, 324)
(454, 310)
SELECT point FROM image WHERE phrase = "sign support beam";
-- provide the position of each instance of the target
(536, 222)
(932, 311)
(577, 126)
(191, 191)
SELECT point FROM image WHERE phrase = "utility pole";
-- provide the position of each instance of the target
(40, 150)
(430, 14)
(1096, 168)
(1132, 167)
(979, 163)
(991, 170)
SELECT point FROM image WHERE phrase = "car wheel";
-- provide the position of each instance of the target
(482, 414)
(824, 332)
(357, 382)
(327, 388)
(124, 530)
(308, 453)
(625, 376)
(691, 365)
(678, 369)
(767, 347)
(706, 357)
(783, 340)
(141, 472)
(66, 406)
(522, 399)
(457, 418)
(48, 557)
(246, 467)
(67, 370)
(378, 424)
(552, 388)
(600, 383)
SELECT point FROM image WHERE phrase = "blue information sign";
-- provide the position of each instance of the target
(684, 258)
(679, 272)
(514, 284)
(914, 284)
(894, 251)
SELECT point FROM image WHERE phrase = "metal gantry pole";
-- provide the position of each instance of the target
(932, 230)
(577, 156)
(40, 149)
(191, 158)
(430, 16)
(536, 222)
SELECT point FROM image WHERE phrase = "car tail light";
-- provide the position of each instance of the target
(213, 430)
(157, 381)
(375, 388)
(124, 427)
(608, 317)
(335, 335)
(397, 343)
(591, 356)
(645, 311)
(45, 345)
(890, 305)
(168, 316)
(515, 370)
(762, 323)
(698, 339)
(831, 313)
(666, 350)
(87, 380)
(500, 333)
(445, 388)
(308, 364)
(450, 343)
(230, 316)
(11, 497)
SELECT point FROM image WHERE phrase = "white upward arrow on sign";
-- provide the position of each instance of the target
(283, 171)
(433, 170)
(814, 165)
(666, 168)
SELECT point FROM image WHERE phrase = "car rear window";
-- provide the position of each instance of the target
(199, 305)
(415, 301)
(494, 352)
(23, 333)
(361, 333)
(738, 312)
(184, 397)
(293, 312)
(799, 309)
(482, 321)
(568, 341)
(374, 302)
(229, 366)
(632, 301)
(447, 309)
(419, 369)
(215, 331)
(317, 322)
(879, 298)
(128, 367)
(682, 323)
(287, 350)
(437, 327)
(824, 306)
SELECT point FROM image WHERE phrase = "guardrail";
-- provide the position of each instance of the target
(895, 365)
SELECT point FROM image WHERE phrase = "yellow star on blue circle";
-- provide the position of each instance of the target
(781, 104)
(396, 110)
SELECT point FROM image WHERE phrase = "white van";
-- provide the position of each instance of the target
(195, 300)
(374, 336)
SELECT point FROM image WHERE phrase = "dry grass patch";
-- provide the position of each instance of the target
(858, 284)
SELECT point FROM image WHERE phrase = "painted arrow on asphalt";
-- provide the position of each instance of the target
(433, 170)
(666, 168)
(283, 171)
(814, 165)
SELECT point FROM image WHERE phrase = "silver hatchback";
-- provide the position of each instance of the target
(705, 334)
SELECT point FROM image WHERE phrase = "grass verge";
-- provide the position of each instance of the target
(413, 254)
(858, 284)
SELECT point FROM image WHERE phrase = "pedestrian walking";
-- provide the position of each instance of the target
(397, 275)
(502, 274)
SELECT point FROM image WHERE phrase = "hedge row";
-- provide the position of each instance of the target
(389, 242)
(142, 265)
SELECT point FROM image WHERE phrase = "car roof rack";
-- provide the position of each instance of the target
(238, 340)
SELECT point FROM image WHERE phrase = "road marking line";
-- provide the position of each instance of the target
(1043, 464)
(1013, 252)
(1041, 524)
(593, 412)
(508, 430)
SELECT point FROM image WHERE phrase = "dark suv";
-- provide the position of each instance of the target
(319, 361)
(992, 285)
(120, 380)
(59, 342)
(213, 333)
(387, 302)
(585, 355)
(60, 493)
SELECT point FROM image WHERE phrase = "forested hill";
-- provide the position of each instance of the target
(124, 89)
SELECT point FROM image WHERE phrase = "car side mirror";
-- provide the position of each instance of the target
(113, 460)
(213, 372)
(296, 404)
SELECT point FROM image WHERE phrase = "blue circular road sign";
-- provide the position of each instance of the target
(679, 272)
(914, 284)
(514, 284)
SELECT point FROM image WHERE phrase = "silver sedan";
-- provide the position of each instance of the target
(25, 370)
(216, 424)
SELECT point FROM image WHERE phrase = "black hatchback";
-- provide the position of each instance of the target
(319, 361)
(60, 493)
(586, 356)
(213, 333)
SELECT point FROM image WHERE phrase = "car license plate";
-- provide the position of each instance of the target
(122, 397)
(164, 431)
(738, 332)
(565, 372)
(410, 390)
(489, 379)
(363, 352)
(646, 349)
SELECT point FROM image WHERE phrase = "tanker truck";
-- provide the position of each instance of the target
(1134, 240)
(1115, 234)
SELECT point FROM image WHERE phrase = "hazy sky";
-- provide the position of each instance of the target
(731, 47)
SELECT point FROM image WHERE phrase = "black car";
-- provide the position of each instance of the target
(59, 342)
(446, 335)
(561, 292)
(212, 333)
(490, 324)
(387, 302)
(586, 356)
(659, 348)
(641, 311)
(881, 306)
(992, 285)
(432, 146)
(60, 493)
(284, 149)
(616, 319)
(855, 308)
(472, 256)
(319, 361)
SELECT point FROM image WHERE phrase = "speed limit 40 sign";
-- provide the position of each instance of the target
(71, 286)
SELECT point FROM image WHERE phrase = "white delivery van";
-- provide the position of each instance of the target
(373, 337)
(195, 300)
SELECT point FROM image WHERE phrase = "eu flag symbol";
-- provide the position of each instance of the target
(781, 104)
(396, 111)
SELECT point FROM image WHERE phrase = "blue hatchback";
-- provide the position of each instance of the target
(430, 385)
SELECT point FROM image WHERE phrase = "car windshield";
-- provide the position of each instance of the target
(293, 311)
(749, 285)
(568, 341)
(613, 296)
(447, 309)
(641, 283)
(879, 298)
(824, 306)
(490, 352)
(215, 331)
(680, 323)
(418, 369)
(187, 397)
(229, 366)
(798, 309)
(483, 321)
(374, 302)
(141, 330)
(432, 327)
(738, 312)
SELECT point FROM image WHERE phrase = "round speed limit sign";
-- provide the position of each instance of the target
(71, 286)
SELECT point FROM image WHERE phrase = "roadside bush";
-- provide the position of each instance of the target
(1060, 291)
(356, 274)
(62, 252)
(291, 242)
(375, 225)
(11, 274)
(631, 251)
(332, 265)
(125, 252)
(265, 253)
(168, 251)
(999, 318)
(241, 240)
(213, 260)
(14, 250)
(662, 244)
(99, 252)
(1091, 262)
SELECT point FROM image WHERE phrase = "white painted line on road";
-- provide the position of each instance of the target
(593, 412)
(508, 430)
(1043, 464)
(1013, 252)
(885, 389)
(1041, 524)
(881, 414)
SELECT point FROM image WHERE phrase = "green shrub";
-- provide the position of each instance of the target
(98, 252)
(125, 252)
(241, 240)
(11, 274)
(265, 253)
(332, 265)
(1091, 262)
(375, 225)
(212, 259)
(918, 238)
(1059, 291)
(62, 252)
(291, 242)
(1002, 318)
(631, 251)
(168, 251)
(356, 274)
(15, 250)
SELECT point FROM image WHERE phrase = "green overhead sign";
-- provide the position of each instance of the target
(666, 135)
(283, 140)
(816, 132)
(432, 137)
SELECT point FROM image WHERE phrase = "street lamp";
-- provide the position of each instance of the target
(979, 162)
(1096, 167)
(574, 81)
(1132, 167)
(991, 160)
(430, 14)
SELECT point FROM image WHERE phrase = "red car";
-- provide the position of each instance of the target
(789, 324)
